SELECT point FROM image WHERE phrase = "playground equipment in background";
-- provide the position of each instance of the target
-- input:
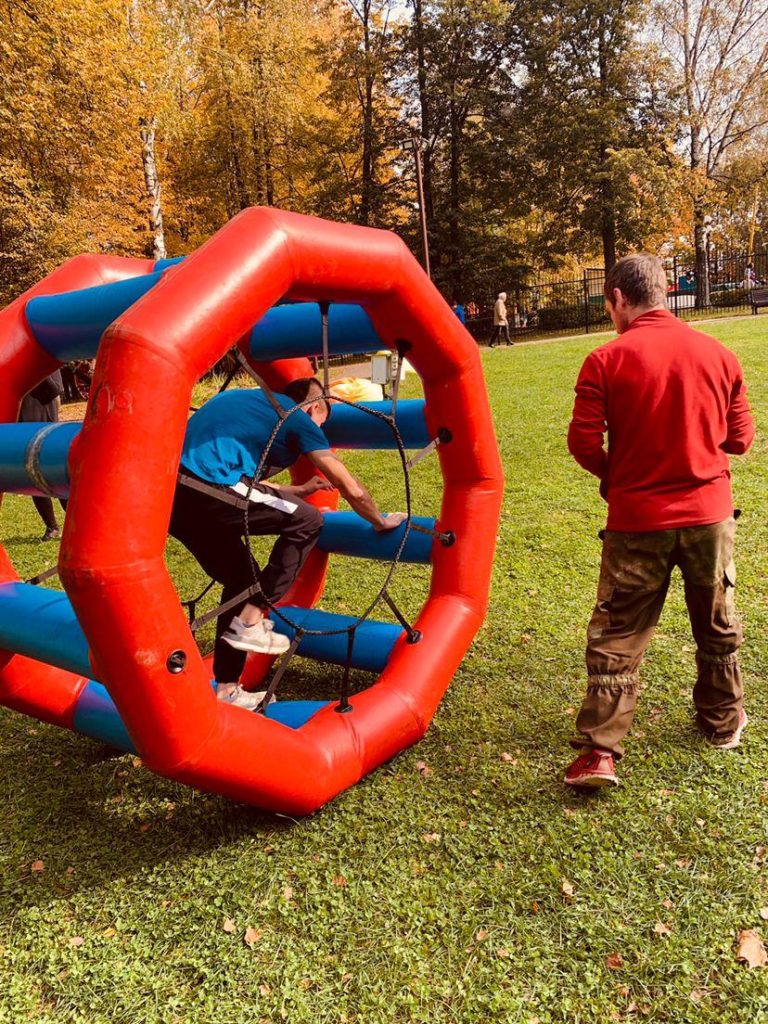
(113, 655)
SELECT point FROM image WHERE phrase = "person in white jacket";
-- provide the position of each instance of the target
(500, 320)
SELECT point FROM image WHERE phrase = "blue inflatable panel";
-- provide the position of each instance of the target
(345, 533)
(294, 713)
(41, 624)
(161, 265)
(16, 440)
(96, 716)
(373, 640)
(349, 426)
(70, 325)
(296, 329)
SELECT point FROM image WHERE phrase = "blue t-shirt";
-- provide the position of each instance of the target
(225, 439)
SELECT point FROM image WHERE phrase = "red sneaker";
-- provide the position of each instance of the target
(732, 741)
(592, 769)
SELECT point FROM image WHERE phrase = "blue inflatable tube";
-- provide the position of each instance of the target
(41, 624)
(96, 716)
(31, 453)
(351, 427)
(70, 325)
(345, 533)
(295, 329)
(373, 640)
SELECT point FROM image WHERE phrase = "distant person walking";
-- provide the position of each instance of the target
(41, 405)
(674, 404)
(458, 309)
(500, 320)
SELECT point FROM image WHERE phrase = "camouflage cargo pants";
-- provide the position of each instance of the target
(634, 578)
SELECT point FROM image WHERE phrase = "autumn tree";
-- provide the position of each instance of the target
(718, 50)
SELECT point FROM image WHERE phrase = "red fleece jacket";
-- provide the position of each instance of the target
(674, 404)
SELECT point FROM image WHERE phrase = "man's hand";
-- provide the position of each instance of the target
(311, 486)
(390, 521)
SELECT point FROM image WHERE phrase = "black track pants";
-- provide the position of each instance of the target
(214, 532)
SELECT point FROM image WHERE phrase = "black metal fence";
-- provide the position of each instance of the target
(576, 304)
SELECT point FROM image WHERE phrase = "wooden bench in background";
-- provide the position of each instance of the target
(758, 298)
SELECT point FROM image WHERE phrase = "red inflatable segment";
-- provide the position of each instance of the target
(131, 443)
(128, 456)
(43, 691)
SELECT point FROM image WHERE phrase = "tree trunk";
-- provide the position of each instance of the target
(607, 198)
(607, 219)
(237, 178)
(367, 184)
(699, 226)
(426, 110)
(152, 185)
(702, 258)
(454, 231)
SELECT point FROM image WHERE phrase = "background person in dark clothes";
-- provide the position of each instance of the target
(41, 405)
(674, 404)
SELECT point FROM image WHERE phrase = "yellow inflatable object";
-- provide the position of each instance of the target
(356, 389)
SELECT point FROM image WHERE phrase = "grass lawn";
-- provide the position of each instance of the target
(432, 894)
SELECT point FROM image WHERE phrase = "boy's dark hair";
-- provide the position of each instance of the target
(300, 390)
(641, 279)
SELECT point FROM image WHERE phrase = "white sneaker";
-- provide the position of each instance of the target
(259, 637)
(233, 693)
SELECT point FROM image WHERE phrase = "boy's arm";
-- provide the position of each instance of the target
(353, 491)
(589, 420)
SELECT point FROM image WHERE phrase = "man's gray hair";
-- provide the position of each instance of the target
(641, 279)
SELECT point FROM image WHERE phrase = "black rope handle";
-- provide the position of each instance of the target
(390, 421)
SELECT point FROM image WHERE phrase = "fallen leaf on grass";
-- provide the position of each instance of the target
(759, 857)
(264, 990)
(251, 937)
(750, 948)
(37, 866)
(661, 929)
(614, 962)
(567, 889)
(506, 757)
(145, 826)
(76, 940)
(482, 933)
(667, 903)
(288, 893)
(431, 837)
(763, 912)
(423, 768)
(695, 996)
(340, 881)
(503, 954)
(109, 933)
(137, 762)
(228, 926)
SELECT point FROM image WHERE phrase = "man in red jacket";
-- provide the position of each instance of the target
(674, 404)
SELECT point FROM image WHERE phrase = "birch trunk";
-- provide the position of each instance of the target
(152, 185)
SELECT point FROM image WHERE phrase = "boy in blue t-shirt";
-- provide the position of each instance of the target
(223, 447)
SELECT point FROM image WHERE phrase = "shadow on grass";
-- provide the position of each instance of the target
(62, 794)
